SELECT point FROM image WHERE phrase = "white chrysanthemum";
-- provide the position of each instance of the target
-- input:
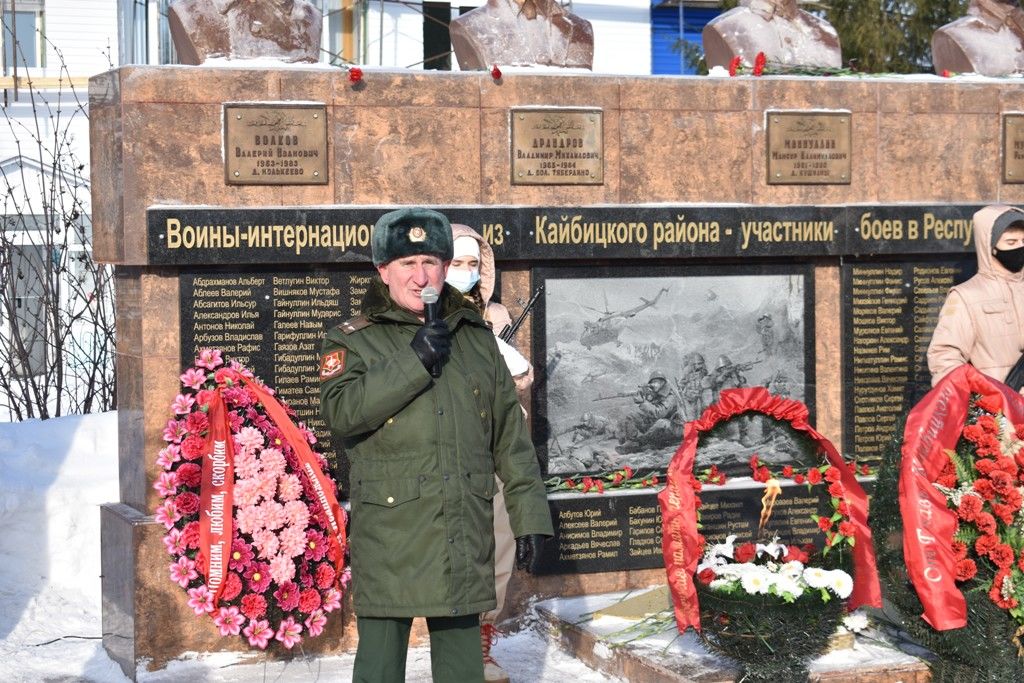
(840, 583)
(719, 584)
(788, 585)
(793, 570)
(855, 622)
(816, 577)
(732, 570)
(756, 582)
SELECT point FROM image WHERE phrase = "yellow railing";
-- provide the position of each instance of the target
(44, 82)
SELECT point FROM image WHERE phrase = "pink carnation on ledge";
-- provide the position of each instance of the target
(248, 439)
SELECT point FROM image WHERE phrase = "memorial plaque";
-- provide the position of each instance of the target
(621, 530)
(1013, 148)
(275, 144)
(889, 313)
(272, 321)
(557, 146)
(809, 148)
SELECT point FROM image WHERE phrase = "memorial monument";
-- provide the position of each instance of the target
(522, 33)
(989, 40)
(288, 30)
(778, 28)
(238, 202)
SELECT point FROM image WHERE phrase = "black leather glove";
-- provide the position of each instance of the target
(528, 551)
(432, 343)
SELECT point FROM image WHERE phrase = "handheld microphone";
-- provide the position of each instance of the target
(429, 296)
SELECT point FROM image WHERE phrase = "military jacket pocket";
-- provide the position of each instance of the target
(391, 492)
(482, 485)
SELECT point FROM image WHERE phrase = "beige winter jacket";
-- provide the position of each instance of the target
(982, 320)
(495, 314)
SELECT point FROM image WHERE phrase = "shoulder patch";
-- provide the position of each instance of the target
(354, 324)
(332, 364)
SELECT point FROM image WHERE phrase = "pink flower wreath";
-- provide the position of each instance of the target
(273, 568)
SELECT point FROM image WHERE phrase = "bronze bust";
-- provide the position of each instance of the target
(778, 28)
(522, 33)
(288, 30)
(988, 41)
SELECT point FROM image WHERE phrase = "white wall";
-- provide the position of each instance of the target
(85, 31)
(622, 34)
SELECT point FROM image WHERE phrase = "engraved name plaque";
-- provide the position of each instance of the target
(1013, 148)
(808, 148)
(275, 144)
(557, 146)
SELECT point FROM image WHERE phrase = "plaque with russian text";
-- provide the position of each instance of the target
(809, 148)
(1013, 148)
(557, 146)
(275, 144)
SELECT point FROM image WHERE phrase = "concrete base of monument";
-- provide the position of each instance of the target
(640, 653)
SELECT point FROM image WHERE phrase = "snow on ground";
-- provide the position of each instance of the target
(54, 475)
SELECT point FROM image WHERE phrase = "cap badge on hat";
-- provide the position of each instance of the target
(417, 234)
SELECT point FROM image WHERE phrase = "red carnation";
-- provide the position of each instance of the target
(706, 576)
(225, 375)
(762, 474)
(745, 552)
(496, 73)
(1007, 465)
(192, 447)
(197, 422)
(1019, 430)
(628, 471)
(824, 523)
(973, 433)
(754, 462)
(190, 535)
(985, 522)
(1001, 555)
(795, 554)
(966, 570)
(989, 445)
(588, 484)
(204, 397)
(843, 508)
(990, 404)
(847, 528)
(969, 508)
(1005, 513)
(989, 424)
(189, 474)
(865, 469)
(798, 478)
(787, 471)
(325, 576)
(759, 63)
(946, 73)
(617, 479)
(734, 65)
(836, 490)
(600, 485)
(654, 480)
(996, 592)
(985, 489)
(985, 466)
(309, 600)
(355, 74)
(985, 543)
(254, 606)
(187, 503)
(232, 587)
(814, 475)
(959, 549)
(832, 474)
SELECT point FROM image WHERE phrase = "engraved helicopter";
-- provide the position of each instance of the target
(604, 330)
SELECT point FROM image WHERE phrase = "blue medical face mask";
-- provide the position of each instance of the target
(462, 280)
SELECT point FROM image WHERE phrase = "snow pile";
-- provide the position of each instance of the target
(54, 475)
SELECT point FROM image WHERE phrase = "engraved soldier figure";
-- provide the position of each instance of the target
(765, 327)
(694, 387)
(728, 376)
(654, 423)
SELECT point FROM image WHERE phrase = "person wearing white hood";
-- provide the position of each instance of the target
(472, 272)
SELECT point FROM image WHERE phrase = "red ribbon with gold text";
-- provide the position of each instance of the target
(218, 481)
(933, 426)
(680, 540)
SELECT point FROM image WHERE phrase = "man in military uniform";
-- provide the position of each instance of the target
(654, 423)
(427, 414)
(728, 376)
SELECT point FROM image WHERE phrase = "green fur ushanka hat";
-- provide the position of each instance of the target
(407, 232)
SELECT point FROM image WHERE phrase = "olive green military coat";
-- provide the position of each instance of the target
(424, 453)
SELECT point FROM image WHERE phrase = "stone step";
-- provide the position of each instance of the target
(584, 628)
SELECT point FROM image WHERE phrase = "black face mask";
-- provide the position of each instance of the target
(1011, 259)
